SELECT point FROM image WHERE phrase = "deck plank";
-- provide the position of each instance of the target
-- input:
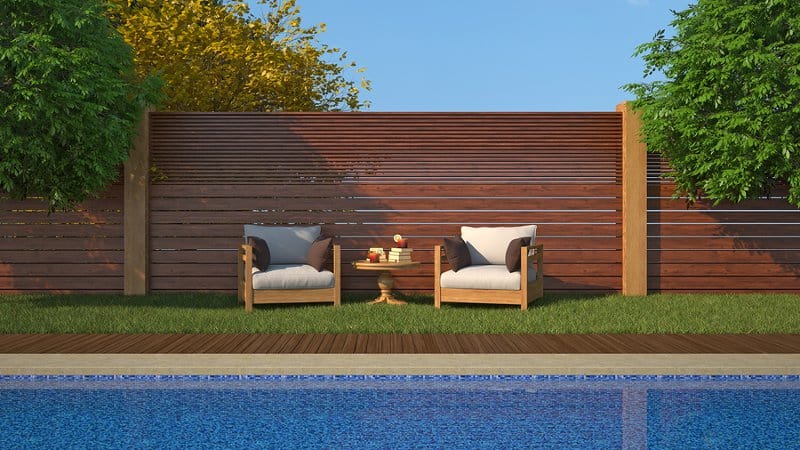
(326, 343)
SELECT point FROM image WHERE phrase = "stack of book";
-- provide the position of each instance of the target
(400, 254)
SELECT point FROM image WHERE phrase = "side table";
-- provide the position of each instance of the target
(385, 279)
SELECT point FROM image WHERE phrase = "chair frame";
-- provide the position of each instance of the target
(528, 291)
(250, 296)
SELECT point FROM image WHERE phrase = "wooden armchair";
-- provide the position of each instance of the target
(288, 283)
(526, 292)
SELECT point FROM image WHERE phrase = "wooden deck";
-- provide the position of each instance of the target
(396, 343)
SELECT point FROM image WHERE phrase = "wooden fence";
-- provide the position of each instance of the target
(750, 246)
(79, 251)
(367, 176)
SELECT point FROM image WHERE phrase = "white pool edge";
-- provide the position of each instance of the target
(400, 364)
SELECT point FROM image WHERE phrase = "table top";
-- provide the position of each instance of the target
(366, 265)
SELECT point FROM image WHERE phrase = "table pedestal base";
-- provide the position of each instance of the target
(385, 284)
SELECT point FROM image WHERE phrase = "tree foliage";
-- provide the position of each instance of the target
(69, 100)
(727, 114)
(218, 56)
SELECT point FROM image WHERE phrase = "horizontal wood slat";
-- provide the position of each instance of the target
(741, 269)
(384, 232)
(61, 230)
(425, 256)
(411, 218)
(385, 204)
(380, 190)
(723, 257)
(226, 268)
(362, 244)
(21, 283)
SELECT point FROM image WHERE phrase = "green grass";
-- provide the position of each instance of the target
(209, 313)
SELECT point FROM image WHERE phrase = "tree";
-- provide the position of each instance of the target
(727, 115)
(69, 100)
(217, 56)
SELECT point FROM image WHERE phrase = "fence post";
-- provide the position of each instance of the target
(634, 204)
(136, 212)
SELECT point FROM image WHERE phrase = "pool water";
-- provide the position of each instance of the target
(400, 412)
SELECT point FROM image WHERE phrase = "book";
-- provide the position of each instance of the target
(396, 260)
(400, 251)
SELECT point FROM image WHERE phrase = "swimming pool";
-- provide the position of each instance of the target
(415, 411)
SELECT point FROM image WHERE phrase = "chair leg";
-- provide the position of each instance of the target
(337, 275)
(248, 300)
(437, 273)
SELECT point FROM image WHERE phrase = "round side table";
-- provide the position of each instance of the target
(385, 279)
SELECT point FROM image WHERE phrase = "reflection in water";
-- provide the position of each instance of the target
(404, 412)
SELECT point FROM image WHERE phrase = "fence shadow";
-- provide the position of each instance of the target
(367, 176)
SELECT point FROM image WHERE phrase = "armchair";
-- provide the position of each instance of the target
(289, 276)
(490, 281)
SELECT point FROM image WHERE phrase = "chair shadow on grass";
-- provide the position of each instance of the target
(544, 302)
(186, 300)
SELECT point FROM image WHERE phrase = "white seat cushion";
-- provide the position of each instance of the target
(292, 276)
(492, 276)
(287, 245)
(488, 245)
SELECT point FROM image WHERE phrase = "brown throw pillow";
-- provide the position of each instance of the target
(318, 253)
(457, 253)
(513, 261)
(260, 252)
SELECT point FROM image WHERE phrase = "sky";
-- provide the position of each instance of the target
(502, 55)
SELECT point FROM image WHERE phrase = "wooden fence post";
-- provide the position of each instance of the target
(634, 204)
(136, 212)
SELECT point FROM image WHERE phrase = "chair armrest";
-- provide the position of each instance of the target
(438, 256)
(244, 270)
(337, 258)
(537, 251)
(246, 258)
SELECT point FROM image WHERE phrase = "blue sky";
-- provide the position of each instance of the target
(479, 55)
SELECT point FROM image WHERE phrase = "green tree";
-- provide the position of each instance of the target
(727, 114)
(218, 56)
(69, 100)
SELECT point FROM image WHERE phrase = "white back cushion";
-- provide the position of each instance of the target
(287, 245)
(488, 245)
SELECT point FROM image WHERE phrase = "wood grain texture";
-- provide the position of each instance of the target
(137, 212)
(398, 343)
(367, 176)
(76, 251)
(634, 203)
(750, 246)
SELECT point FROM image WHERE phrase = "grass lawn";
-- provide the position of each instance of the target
(556, 313)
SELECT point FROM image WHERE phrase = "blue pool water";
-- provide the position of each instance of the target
(400, 412)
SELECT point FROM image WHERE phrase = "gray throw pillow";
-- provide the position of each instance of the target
(287, 244)
(457, 253)
(318, 253)
(260, 252)
(513, 255)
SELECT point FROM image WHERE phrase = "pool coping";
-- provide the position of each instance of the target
(400, 364)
